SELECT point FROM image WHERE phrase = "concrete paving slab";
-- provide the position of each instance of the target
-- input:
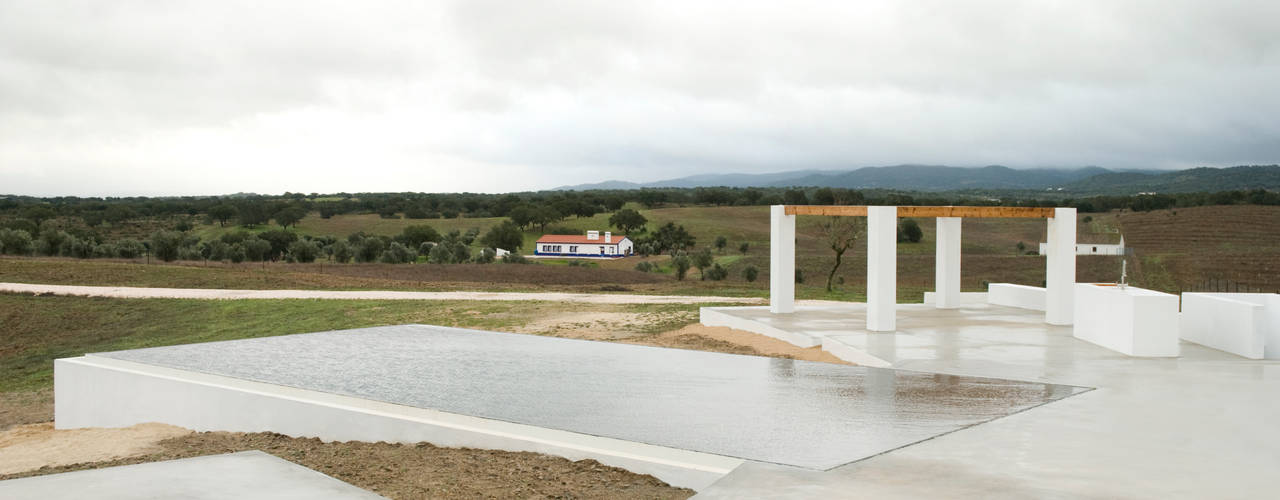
(1198, 426)
(247, 475)
(798, 413)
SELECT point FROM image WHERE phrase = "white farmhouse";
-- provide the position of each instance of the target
(591, 245)
(1094, 248)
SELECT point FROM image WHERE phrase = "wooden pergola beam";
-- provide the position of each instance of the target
(926, 211)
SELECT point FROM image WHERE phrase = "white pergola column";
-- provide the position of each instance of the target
(1060, 267)
(882, 268)
(946, 276)
(782, 260)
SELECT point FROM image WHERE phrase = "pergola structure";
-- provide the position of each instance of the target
(882, 256)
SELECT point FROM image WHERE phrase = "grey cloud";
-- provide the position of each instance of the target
(450, 92)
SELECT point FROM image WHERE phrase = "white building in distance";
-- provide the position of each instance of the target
(591, 245)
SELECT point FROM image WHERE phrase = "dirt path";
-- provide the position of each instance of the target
(199, 293)
(417, 470)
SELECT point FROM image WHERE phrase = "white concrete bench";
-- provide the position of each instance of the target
(1244, 324)
(1023, 296)
(1130, 320)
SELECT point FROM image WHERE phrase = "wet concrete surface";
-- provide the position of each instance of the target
(794, 413)
(1198, 426)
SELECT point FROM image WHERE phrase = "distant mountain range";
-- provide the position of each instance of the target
(1086, 180)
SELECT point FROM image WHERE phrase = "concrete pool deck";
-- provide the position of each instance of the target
(247, 475)
(1199, 426)
(688, 417)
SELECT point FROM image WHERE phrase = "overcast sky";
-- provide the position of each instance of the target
(215, 97)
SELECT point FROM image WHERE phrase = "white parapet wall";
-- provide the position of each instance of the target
(1244, 324)
(95, 391)
(1129, 320)
(1021, 296)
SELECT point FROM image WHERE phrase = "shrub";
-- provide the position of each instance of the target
(561, 230)
(514, 258)
(279, 240)
(721, 242)
(215, 250)
(644, 267)
(370, 249)
(750, 273)
(681, 264)
(397, 254)
(190, 253)
(461, 252)
(415, 236)
(486, 256)
(15, 241)
(1089, 218)
(342, 252)
(105, 251)
(505, 236)
(236, 253)
(166, 244)
(744, 247)
(440, 254)
(717, 273)
(909, 231)
(51, 240)
(257, 250)
(130, 248)
(415, 212)
(799, 275)
(303, 251)
(702, 260)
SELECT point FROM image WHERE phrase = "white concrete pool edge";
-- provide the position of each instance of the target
(96, 391)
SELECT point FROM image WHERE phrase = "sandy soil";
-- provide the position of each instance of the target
(198, 293)
(724, 339)
(32, 446)
(394, 470)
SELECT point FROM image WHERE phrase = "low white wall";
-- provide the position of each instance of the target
(965, 297)
(1244, 324)
(1132, 321)
(93, 391)
(1009, 294)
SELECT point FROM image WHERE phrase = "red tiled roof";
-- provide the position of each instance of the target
(578, 239)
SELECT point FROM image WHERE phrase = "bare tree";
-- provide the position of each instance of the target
(841, 234)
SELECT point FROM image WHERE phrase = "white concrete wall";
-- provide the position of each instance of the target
(782, 260)
(1132, 321)
(1009, 294)
(93, 391)
(1060, 267)
(1244, 324)
(947, 263)
(882, 269)
(964, 298)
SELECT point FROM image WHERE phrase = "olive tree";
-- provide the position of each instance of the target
(840, 234)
